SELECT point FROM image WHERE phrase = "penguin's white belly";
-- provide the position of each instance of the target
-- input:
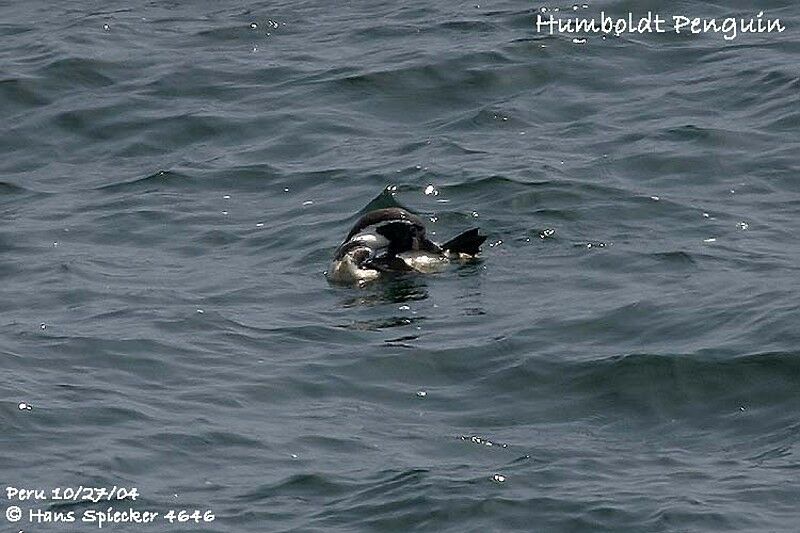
(346, 271)
(371, 239)
(424, 262)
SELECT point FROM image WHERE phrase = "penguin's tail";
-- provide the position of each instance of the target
(468, 242)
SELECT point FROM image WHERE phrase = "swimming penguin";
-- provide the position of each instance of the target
(394, 240)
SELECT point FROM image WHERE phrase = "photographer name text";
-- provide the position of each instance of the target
(120, 514)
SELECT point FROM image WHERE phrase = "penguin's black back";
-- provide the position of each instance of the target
(385, 215)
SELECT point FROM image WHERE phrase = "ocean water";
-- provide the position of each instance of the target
(175, 177)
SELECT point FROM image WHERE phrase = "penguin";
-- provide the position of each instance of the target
(391, 240)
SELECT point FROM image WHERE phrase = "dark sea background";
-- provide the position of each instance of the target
(624, 357)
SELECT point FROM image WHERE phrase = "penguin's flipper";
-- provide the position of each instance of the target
(468, 242)
(399, 233)
(388, 263)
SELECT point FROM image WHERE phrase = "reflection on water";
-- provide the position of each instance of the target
(393, 289)
(382, 323)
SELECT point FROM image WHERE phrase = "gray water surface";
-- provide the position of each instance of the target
(175, 177)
